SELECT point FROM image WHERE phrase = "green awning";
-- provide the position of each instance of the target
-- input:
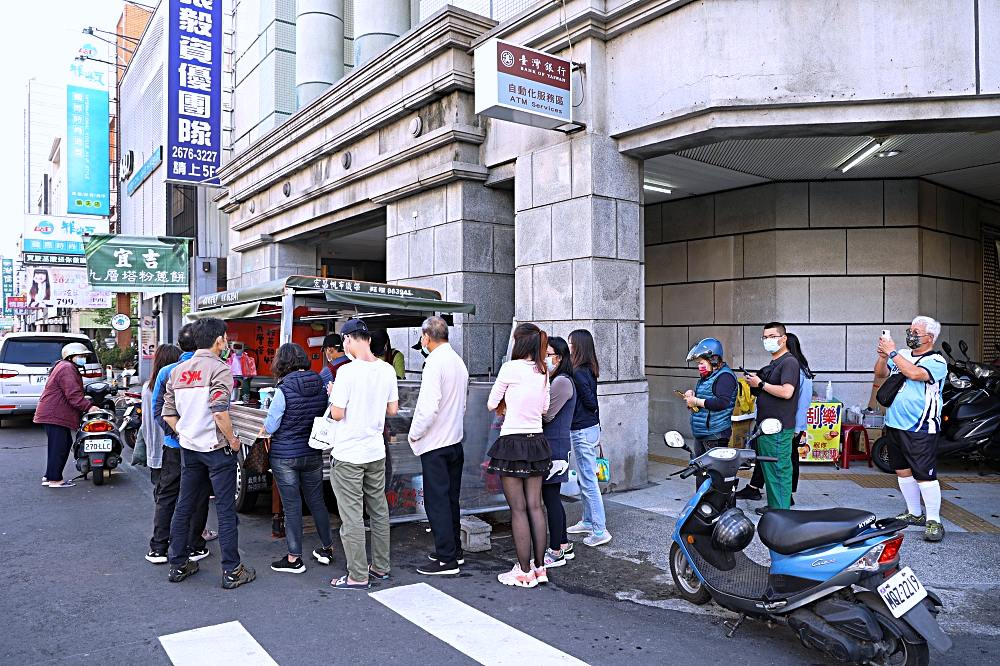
(241, 311)
(408, 304)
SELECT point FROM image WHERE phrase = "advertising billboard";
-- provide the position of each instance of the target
(57, 235)
(193, 146)
(88, 167)
(62, 287)
(151, 264)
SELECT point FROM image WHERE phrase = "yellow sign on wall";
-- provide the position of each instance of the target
(823, 432)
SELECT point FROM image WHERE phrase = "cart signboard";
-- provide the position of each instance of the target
(823, 432)
(157, 264)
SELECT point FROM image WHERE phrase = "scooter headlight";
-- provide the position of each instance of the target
(959, 382)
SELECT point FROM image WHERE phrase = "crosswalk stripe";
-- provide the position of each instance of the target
(472, 632)
(227, 643)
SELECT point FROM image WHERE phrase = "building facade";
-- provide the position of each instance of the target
(723, 174)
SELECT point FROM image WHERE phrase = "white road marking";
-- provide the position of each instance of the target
(472, 632)
(228, 643)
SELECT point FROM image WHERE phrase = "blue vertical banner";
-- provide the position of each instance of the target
(8, 286)
(88, 152)
(193, 149)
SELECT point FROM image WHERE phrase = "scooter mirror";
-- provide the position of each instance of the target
(946, 347)
(673, 439)
(770, 426)
(964, 348)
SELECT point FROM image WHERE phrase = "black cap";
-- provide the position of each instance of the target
(334, 341)
(353, 326)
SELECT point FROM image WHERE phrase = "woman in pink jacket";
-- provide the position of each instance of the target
(59, 409)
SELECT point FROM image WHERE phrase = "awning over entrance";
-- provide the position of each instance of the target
(409, 304)
(240, 311)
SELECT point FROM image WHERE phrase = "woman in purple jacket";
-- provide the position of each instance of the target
(59, 409)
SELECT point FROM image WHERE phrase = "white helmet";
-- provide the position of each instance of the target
(74, 349)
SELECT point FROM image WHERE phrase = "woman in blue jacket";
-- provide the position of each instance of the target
(585, 436)
(299, 398)
(712, 400)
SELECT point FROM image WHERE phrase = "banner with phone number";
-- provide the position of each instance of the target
(823, 431)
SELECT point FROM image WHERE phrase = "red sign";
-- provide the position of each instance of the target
(533, 65)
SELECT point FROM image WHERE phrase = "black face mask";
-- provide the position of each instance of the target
(912, 340)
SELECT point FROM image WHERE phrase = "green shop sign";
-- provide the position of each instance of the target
(138, 263)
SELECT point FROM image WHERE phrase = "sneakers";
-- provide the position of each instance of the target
(748, 493)
(195, 555)
(439, 568)
(518, 577)
(284, 565)
(157, 556)
(910, 519)
(323, 555)
(177, 574)
(597, 539)
(934, 531)
(238, 576)
(580, 528)
(460, 559)
(554, 558)
(541, 577)
(568, 552)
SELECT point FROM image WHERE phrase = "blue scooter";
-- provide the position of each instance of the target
(835, 577)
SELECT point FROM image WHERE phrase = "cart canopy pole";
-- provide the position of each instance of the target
(287, 314)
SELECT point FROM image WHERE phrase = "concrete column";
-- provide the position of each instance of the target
(272, 262)
(376, 25)
(319, 47)
(578, 257)
(459, 240)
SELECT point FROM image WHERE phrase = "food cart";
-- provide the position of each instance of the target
(304, 310)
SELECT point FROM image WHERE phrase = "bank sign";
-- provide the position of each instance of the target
(138, 263)
(194, 91)
(523, 85)
(88, 169)
(59, 235)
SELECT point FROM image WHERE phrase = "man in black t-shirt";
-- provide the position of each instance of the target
(776, 386)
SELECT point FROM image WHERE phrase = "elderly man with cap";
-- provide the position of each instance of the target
(333, 358)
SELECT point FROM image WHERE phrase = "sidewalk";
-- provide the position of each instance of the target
(964, 568)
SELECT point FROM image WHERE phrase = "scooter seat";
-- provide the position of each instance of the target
(788, 532)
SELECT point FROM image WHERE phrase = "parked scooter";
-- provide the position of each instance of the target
(970, 413)
(835, 577)
(131, 419)
(98, 444)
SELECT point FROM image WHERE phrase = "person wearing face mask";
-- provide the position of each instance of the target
(712, 400)
(60, 407)
(333, 358)
(913, 421)
(436, 433)
(241, 365)
(776, 387)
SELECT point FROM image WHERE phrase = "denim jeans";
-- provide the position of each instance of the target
(304, 474)
(199, 471)
(584, 443)
(165, 494)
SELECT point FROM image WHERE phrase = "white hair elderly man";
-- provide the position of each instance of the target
(913, 421)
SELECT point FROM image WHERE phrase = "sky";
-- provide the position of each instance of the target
(41, 38)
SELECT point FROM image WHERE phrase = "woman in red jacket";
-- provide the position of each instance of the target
(59, 409)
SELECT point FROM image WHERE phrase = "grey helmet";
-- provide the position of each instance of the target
(733, 531)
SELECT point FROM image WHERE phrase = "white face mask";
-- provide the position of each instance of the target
(772, 345)
(550, 364)
(80, 361)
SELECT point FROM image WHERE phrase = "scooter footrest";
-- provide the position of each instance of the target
(747, 579)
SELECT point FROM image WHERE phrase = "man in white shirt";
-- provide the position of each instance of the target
(436, 434)
(364, 393)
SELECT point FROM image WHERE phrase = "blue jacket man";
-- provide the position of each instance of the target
(168, 486)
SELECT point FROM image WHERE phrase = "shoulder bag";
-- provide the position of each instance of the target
(258, 460)
(891, 386)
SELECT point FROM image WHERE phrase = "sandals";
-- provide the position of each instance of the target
(374, 575)
(343, 584)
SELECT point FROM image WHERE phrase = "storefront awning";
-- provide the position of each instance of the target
(241, 311)
(407, 304)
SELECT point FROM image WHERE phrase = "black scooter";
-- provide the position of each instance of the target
(98, 443)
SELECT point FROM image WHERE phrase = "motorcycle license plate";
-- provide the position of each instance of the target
(97, 446)
(902, 592)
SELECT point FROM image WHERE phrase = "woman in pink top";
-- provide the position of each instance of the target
(521, 455)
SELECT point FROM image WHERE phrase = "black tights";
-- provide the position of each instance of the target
(556, 514)
(527, 520)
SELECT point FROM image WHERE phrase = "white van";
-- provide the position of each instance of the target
(25, 361)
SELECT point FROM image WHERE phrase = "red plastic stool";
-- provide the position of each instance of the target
(848, 452)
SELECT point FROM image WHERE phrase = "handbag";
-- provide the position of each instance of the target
(324, 433)
(891, 386)
(603, 466)
(258, 460)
